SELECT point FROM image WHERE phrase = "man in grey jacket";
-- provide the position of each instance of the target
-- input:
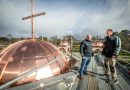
(86, 53)
(112, 47)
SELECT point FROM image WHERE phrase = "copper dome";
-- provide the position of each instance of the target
(26, 55)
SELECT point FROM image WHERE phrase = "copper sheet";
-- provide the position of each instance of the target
(55, 69)
(30, 55)
(5, 58)
(38, 50)
(47, 51)
(10, 72)
(12, 65)
(44, 73)
(26, 66)
(41, 61)
(29, 50)
(1, 67)
(52, 48)
(61, 64)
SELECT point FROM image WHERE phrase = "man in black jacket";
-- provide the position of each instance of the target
(112, 46)
(86, 53)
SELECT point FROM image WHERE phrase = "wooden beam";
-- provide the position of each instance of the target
(35, 15)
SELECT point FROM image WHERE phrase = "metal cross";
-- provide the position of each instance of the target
(32, 17)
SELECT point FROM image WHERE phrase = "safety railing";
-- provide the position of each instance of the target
(124, 62)
(26, 74)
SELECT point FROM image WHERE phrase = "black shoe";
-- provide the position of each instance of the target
(115, 81)
(108, 78)
(80, 76)
(85, 73)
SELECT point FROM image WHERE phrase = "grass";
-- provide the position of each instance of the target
(1, 48)
(124, 54)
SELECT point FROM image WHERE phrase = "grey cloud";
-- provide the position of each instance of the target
(78, 17)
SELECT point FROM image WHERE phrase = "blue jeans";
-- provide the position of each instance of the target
(84, 65)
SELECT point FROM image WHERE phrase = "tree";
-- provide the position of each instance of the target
(94, 38)
(125, 39)
(9, 36)
(54, 38)
(68, 37)
(43, 38)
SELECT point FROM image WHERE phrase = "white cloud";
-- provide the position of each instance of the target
(65, 20)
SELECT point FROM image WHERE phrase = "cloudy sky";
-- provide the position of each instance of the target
(77, 17)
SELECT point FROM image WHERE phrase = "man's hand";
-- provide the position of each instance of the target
(113, 56)
(83, 57)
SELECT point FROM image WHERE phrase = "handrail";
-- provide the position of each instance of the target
(125, 71)
(124, 66)
(122, 58)
(125, 51)
(120, 65)
(26, 74)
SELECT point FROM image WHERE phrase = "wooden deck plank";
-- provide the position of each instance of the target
(96, 79)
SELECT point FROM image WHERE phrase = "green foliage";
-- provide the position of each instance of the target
(54, 38)
(4, 40)
(94, 38)
(76, 47)
(122, 62)
(124, 54)
(69, 37)
(125, 39)
(43, 38)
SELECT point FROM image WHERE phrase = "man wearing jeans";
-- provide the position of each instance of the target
(112, 46)
(86, 54)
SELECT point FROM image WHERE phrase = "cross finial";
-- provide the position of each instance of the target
(32, 18)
